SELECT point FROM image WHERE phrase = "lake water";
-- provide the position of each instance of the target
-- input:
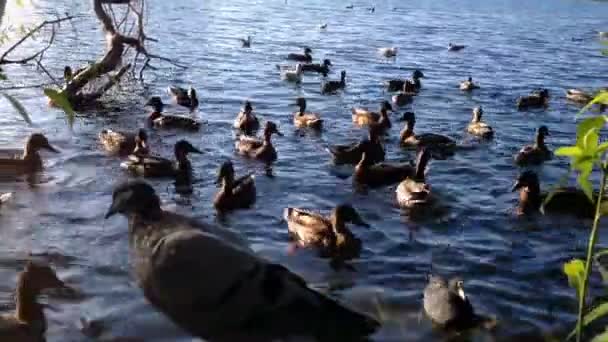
(511, 266)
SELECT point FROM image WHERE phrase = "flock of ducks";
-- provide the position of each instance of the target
(245, 297)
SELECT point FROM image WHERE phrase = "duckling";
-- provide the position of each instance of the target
(330, 87)
(536, 99)
(294, 75)
(414, 191)
(397, 85)
(564, 200)
(28, 323)
(478, 128)
(406, 95)
(381, 174)
(318, 68)
(468, 85)
(160, 120)
(329, 235)
(351, 154)
(155, 166)
(389, 52)
(18, 162)
(454, 47)
(246, 43)
(578, 96)
(306, 57)
(435, 142)
(535, 154)
(246, 121)
(248, 299)
(364, 117)
(124, 143)
(234, 193)
(183, 97)
(301, 119)
(261, 149)
(447, 305)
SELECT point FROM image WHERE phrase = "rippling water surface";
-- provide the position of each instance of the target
(512, 267)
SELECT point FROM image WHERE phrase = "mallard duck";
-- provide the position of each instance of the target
(455, 47)
(535, 154)
(260, 149)
(380, 174)
(364, 117)
(28, 160)
(479, 128)
(564, 200)
(183, 97)
(468, 85)
(293, 75)
(319, 68)
(397, 85)
(388, 52)
(578, 96)
(160, 120)
(155, 166)
(329, 235)
(28, 322)
(330, 87)
(351, 154)
(435, 142)
(406, 95)
(302, 119)
(414, 191)
(248, 299)
(124, 143)
(246, 121)
(234, 193)
(536, 99)
(447, 305)
(306, 57)
(246, 43)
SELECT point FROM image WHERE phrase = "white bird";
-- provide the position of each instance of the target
(5, 198)
(293, 75)
(246, 42)
(389, 52)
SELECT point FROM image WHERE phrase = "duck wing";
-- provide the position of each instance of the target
(394, 85)
(248, 144)
(346, 154)
(177, 91)
(177, 121)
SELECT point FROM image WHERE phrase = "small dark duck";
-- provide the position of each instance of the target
(329, 235)
(124, 143)
(479, 128)
(155, 166)
(183, 97)
(249, 299)
(468, 85)
(351, 154)
(302, 119)
(380, 174)
(537, 99)
(246, 121)
(330, 87)
(365, 117)
(260, 149)
(414, 191)
(455, 47)
(535, 154)
(318, 68)
(397, 85)
(246, 43)
(435, 142)
(234, 193)
(160, 120)
(306, 57)
(17, 162)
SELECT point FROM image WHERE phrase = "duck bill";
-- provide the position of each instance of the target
(359, 222)
(279, 133)
(113, 210)
(51, 148)
(193, 149)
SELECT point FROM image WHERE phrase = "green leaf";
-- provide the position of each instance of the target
(575, 270)
(605, 52)
(598, 312)
(603, 337)
(583, 127)
(585, 184)
(601, 97)
(602, 147)
(569, 151)
(19, 107)
(590, 141)
(603, 271)
(61, 101)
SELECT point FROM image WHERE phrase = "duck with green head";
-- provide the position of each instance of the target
(365, 117)
(28, 160)
(303, 119)
(351, 153)
(124, 143)
(155, 166)
(535, 154)
(234, 193)
(160, 120)
(183, 97)
(246, 121)
(260, 149)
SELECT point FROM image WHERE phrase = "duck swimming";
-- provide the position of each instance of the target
(293, 75)
(160, 120)
(380, 174)
(536, 99)
(578, 96)
(183, 97)
(155, 166)
(318, 68)
(328, 234)
(330, 87)
(414, 191)
(406, 95)
(388, 52)
(535, 154)
(479, 128)
(306, 57)
(124, 143)
(28, 160)
(261, 149)
(246, 121)
(455, 47)
(468, 85)
(364, 117)
(447, 305)
(302, 119)
(246, 43)
(28, 323)
(242, 298)
(435, 142)
(397, 85)
(234, 193)
(351, 154)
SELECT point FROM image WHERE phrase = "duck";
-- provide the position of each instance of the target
(124, 143)
(578, 96)
(249, 299)
(155, 166)
(414, 191)
(351, 154)
(28, 160)
(246, 121)
(323, 26)
(468, 85)
(479, 128)
(293, 75)
(160, 120)
(305, 58)
(329, 235)
(302, 119)
(234, 193)
(364, 117)
(330, 87)
(389, 52)
(406, 96)
(260, 149)
(563, 200)
(28, 323)
(397, 85)
(246, 43)
(447, 305)
(535, 154)
(371, 9)
(380, 174)
(455, 47)
(351, 6)
(183, 97)
(322, 68)
(537, 99)
(433, 141)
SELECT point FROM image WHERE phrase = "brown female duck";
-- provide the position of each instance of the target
(183, 97)
(578, 96)
(329, 235)
(435, 142)
(160, 120)
(246, 121)
(302, 119)
(479, 128)
(414, 191)
(28, 323)
(28, 160)
(468, 85)
(155, 166)
(234, 193)
(396, 85)
(261, 149)
(306, 57)
(406, 95)
(351, 154)
(537, 99)
(364, 117)
(330, 87)
(535, 154)
(124, 143)
(380, 174)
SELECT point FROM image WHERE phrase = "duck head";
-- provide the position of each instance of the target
(134, 197)
(37, 142)
(271, 128)
(39, 277)
(477, 114)
(456, 286)
(141, 142)
(183, 148)
(409, 118)
(307, 51)
(327, 62)
(301, 103)
(248, 108)
(385, 107)
(346, 213)
(470, 79)
(541, 133)
(343, 76)
(67, 73)
(226, 172)
(192, 94)
(417, 74)
(155, 103)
